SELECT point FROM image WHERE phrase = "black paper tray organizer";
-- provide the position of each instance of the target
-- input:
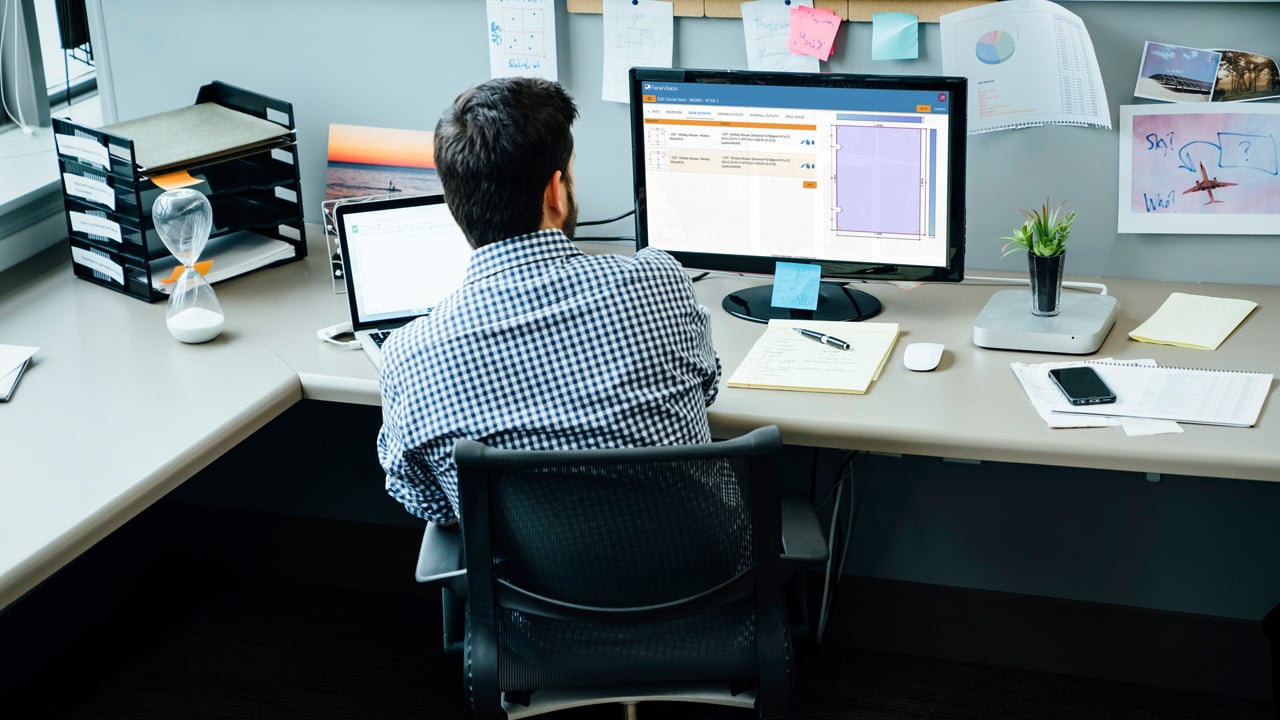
(237, 147)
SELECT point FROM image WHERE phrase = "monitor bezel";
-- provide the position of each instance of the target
(837, 270)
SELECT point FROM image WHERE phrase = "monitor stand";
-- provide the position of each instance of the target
(835, 302)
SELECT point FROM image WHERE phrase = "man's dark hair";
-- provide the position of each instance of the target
(495, 149)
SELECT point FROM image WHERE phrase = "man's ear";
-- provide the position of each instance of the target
(555, 201)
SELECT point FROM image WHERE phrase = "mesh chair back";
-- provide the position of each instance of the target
(618, 544)
(620, 536)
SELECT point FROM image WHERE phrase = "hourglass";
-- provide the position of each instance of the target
(183, 218)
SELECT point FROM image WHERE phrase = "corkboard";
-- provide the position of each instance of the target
(924, 10)
(730, 8)
(852, 10)
(683, 8)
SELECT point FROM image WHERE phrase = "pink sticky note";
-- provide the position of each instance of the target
(813, 32)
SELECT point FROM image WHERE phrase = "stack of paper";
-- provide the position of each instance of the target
(1045, 396)
(783, 359)
(1194, 321)
(229, 255)
(195, 134)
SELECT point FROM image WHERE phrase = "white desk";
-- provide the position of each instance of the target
(970, 407)
(115, 413)
(973, 407)
(111, 415)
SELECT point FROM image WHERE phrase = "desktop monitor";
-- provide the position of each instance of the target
(861, 175)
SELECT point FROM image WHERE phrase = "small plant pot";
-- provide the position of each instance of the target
(1046, 283)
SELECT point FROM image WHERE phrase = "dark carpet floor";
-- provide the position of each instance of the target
(272, 650)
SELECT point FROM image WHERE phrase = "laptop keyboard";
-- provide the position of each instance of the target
(379, 336)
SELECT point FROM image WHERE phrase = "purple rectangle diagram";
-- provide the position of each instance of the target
(878, 180)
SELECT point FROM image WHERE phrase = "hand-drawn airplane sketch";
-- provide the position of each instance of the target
(1207, 185)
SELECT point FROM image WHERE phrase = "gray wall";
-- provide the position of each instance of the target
(398, 62)
(1183, 544)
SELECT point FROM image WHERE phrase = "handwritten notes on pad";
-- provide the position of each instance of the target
(1194, 321)
(783, 359)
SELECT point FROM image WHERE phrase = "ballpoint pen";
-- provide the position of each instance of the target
(824, 338)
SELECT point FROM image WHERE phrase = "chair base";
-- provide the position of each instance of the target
(545, 701)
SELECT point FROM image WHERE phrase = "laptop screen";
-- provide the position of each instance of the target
(401, 257)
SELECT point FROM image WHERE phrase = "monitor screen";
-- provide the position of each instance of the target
(862, 175)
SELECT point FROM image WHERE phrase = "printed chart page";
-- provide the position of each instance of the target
(1029, 62)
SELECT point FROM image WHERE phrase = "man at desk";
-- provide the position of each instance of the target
(543, 347)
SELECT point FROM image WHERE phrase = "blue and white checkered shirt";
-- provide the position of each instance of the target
(544, 347)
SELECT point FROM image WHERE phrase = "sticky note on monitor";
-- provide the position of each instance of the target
(795, 285)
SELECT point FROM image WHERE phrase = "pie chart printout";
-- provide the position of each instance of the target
(994, 47)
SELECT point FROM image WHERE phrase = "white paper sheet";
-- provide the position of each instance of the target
(1207, 169)
(522, 39)
(1043, 395)
(11, 356)
(635, 35)
(765, 26)
(1029, 62)
(1209, 396)
(232, 254)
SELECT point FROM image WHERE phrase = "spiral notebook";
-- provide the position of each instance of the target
(1209, 397)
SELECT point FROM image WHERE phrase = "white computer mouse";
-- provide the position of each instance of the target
(922, 356)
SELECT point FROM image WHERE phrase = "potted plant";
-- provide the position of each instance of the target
(1043, 236)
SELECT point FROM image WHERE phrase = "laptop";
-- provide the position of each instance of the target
(401, 257)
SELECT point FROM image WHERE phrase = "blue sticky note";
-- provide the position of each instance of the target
(795, 285)
(895, 36)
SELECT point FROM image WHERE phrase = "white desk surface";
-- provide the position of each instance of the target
(114, 412)
(111, 414)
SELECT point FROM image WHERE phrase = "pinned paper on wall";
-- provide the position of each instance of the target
(1029, 62)
(637, 33)
(795, 285)
(522, 39)
(813, 32)
(1207, 168)
(895, 36)
(766, 27)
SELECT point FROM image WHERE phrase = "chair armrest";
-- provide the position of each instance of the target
(440, 557)
(802, 541)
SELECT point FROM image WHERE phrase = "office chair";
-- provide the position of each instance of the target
(621, 575)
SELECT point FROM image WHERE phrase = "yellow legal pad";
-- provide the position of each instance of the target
(783, 359)
(1194, 321)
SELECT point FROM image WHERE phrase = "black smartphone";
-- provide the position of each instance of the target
(1082, 385)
